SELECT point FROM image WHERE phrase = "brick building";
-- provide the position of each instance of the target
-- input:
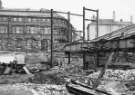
(29, 30)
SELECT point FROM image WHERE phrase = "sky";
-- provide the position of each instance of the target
(123, 8)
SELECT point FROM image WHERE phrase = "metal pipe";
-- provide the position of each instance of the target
(9, 31)
(83, 24)
(73, 14)
(90, 20)
(84, 36)
(51, 37)
(69, 30)
(97, 34)
(69, 35)
(91, 10)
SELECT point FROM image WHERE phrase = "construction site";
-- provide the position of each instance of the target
(43, 53)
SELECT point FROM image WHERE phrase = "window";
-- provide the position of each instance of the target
(3, 29)
(29, 44)
(28, 19)
(45, 20)
(3, 19)
(39, 20)
(13, 29)
(44, 44)
(47, 31)
(28, 29)
(19, 42)
(34, 20)
(18, 30)
(32, 30)
(63, 22)
(18, 19)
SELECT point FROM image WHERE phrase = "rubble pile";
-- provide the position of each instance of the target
(121, 75)
(58, 75)
(74, 69)
(116, 88)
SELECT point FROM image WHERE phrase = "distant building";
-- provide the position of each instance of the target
(29, 30)
(105, 26)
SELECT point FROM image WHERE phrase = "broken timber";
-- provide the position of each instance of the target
(103, 70)
(81, 89)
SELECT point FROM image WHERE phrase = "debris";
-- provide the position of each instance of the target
(26, 70)
(115, 88)
(82, 89)
(7, 70)
(121, 75)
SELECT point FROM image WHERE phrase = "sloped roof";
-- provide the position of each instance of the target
(121, 33)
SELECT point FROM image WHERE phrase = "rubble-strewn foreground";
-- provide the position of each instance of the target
(52, 82)
(33, 89)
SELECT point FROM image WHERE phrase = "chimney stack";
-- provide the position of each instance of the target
(114, 16)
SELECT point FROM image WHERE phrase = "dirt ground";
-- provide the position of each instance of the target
(32, 89)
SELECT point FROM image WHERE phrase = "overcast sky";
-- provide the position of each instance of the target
(123, 8)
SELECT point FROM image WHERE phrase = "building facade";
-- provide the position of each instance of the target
(105, 26)
(30, 30)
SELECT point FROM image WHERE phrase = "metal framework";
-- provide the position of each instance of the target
(34, 38)
(85, 19)
(69, 14)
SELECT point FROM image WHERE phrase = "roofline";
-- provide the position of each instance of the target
(31, 11)
(100, 37)
(27, 10)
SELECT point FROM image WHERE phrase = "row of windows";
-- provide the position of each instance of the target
(27, 44)
(35, 30)
(32, 30)
(30, 19)
(19, 19)
(3, 19)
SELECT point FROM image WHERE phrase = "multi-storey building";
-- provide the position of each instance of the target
(105, 26)
(30, 30)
